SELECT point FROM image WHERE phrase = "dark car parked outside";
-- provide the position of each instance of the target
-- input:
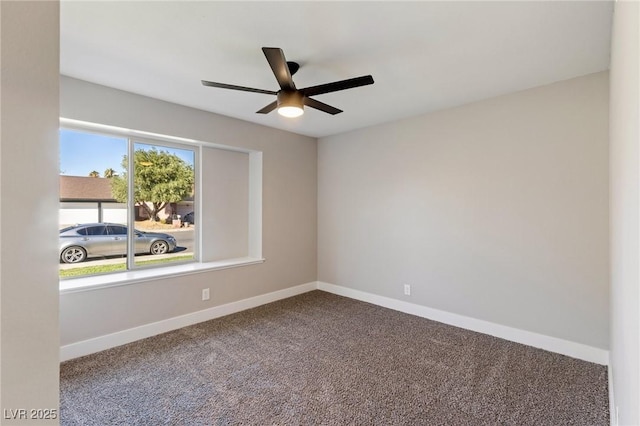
(189, 217)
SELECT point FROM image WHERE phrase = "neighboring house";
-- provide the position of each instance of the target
(180, 209)
(89, 199)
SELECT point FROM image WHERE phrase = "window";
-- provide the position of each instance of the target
(92, 230)
(107, 212)
(116, 230)
(179, 205)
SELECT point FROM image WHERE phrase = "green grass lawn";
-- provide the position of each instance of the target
(103, 269)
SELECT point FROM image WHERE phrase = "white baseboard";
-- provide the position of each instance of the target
(86, 347)
(613, 410)
(552, 344)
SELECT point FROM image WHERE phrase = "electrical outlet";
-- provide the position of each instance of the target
(407, 290)
(205, 294)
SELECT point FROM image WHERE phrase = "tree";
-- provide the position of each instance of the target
(159, 178)
(94, 174)
(109, 173)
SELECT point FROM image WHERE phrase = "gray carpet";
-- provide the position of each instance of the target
(324, 359)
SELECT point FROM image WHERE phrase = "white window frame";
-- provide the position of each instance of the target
(142, 274)
(131, 207)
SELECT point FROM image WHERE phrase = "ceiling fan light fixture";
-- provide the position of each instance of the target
(290, 104)
(290, 111)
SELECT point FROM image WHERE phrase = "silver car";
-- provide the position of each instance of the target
(79, 242)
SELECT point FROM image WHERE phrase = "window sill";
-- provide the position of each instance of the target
(73, 285)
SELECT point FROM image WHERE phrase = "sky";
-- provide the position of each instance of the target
(81, 153)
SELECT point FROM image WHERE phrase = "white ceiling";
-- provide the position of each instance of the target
(423, 56)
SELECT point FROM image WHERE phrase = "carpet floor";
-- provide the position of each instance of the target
(322, 359)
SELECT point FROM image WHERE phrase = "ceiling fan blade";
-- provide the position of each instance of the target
(242, 88)
(321, 106)
(337, 85)
(278, 63)
(266, 110)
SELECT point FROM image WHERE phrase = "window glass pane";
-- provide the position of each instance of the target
(117, 230)
(89, 165)
(164, 194)
(94, 214)
(96, 230)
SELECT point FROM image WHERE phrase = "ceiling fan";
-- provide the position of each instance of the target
(291, 101)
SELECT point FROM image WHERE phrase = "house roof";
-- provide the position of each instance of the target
(80, 188)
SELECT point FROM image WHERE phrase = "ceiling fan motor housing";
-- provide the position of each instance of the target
(288, 98)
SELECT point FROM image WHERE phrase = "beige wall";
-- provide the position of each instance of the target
(625, 213)
(29, 146)
(225, 204)
(289, 214)
(496, 210)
